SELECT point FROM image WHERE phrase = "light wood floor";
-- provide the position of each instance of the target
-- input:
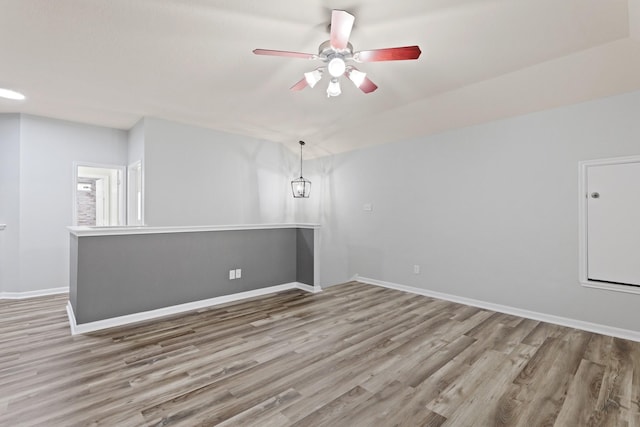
(353, 355)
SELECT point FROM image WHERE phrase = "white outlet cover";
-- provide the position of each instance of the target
(232, 274)
(416, 269)
(238, 273)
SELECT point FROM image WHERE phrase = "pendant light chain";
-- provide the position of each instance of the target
(301, 144)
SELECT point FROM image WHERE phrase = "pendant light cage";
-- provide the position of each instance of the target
(301, 187)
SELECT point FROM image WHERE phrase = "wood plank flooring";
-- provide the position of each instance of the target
(353, 355)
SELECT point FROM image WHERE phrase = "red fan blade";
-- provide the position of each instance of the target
(341, 25)
(300, 85)
(284, 53)
(361, 80)
(368, 86)
(390, 54)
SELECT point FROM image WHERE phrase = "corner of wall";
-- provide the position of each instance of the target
(10, 130)
(634, 19)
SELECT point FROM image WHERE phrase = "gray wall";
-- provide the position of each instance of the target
(196, 176)
(9, 201)
(41, 177)
(120, 275)
(192, 176)
(489, 212)
(304, 256)
(135, 142)
(73, 271)
(135, 145)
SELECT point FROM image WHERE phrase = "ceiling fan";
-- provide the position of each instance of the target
(337, 52)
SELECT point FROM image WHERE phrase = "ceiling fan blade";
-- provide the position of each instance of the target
(300, 85)
(389, 54)
(368, 86)
(341, 25)
(284, 53)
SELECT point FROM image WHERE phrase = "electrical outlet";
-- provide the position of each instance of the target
(232, 274)
(238, 273)
(416, 269)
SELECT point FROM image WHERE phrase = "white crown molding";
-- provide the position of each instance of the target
(534, 315)
(33, 294)
(175, 309)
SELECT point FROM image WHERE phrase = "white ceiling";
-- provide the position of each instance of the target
(113, 62)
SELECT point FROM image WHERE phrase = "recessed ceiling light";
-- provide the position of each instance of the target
(11, 94)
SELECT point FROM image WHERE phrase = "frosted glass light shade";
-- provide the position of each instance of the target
(336, 67)
(334, 88)
(313, 77)
(357, 77)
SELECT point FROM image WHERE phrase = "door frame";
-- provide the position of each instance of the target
(121, 191)
(130, 169)
(583, 262)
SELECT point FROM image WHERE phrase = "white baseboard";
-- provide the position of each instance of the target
(176, 309)
(72, 319)
(33, 294)
(308, 288)
(534, 315)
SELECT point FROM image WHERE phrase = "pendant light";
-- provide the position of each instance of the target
(301, 187)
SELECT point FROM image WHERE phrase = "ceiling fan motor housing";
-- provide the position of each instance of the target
(326, 51)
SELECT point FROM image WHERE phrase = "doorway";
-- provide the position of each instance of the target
(610, 224)
(98, 195)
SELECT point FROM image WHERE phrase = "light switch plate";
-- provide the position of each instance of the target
(232, 274)
(238, 273)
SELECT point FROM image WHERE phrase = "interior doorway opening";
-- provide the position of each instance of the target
(98, 195)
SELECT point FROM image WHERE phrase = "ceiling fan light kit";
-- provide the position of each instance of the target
(313, 77)
(357, 77)
(337, 52)
(334, 88)
(336, 67)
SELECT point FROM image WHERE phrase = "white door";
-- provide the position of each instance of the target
(613, 223)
